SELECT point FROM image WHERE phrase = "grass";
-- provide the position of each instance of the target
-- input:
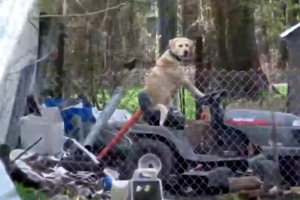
(26, 193)
(29, 193)
(282, 88)
(130, 102)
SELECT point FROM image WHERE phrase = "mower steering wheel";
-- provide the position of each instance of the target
(209, 99)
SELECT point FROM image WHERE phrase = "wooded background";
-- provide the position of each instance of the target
(237, 44)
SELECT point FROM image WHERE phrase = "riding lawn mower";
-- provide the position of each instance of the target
(235, 130)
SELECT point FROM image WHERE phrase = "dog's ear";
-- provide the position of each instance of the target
(172, 43)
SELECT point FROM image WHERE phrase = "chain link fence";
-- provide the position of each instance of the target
(229, 151)
(84, 79)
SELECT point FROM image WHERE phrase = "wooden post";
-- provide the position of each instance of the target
(59, 64)
(167, 14)
(199, 79)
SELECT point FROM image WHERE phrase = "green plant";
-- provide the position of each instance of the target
(29, 193)
(130, 101)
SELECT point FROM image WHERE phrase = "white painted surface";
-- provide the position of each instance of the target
(18, 42)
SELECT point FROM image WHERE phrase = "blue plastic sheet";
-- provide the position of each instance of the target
(85, 113)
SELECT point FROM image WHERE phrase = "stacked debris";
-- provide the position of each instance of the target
(48, 160)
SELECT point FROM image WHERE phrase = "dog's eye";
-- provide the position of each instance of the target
(186, 45)
(180, 45)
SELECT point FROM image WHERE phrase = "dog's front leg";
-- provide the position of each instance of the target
(176, 101)
(189, 86)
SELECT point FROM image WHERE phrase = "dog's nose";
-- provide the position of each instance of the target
(185, 53)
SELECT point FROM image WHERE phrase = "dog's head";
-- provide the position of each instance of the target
(181, 47)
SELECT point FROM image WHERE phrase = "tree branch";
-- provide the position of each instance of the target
(86, 14)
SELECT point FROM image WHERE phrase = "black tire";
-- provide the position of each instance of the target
(142, 147)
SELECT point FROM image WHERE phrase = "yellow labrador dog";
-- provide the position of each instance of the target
(167, 77)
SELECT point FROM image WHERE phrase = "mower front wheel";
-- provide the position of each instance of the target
(142, 147)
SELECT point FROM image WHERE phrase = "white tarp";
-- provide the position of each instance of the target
(19, 43)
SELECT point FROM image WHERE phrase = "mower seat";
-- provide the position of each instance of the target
(175, 118)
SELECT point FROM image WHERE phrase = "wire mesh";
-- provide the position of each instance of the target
(83, 78)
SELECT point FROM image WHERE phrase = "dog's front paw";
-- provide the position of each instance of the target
(161, 123)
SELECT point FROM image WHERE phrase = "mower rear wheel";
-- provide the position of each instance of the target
(142, 147)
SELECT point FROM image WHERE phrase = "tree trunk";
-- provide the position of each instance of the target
(201, 75)
(241, 42)
(236, 48)
(189, 13)
(59, 64)
(167, 13)
(59, 61)
(219, 13)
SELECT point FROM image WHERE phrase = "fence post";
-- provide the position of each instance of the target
(199, 79)
(167, 14)
(59, 64)
(102, 119)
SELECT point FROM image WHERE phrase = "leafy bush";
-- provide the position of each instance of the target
(267, 101)
(29, 193)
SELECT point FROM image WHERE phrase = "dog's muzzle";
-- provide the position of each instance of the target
(185, 53)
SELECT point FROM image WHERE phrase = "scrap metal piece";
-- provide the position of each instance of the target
(104, 117)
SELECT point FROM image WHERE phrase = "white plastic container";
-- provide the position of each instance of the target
(50, 127)
(119, 190)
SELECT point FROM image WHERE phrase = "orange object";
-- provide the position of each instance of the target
(134, 118)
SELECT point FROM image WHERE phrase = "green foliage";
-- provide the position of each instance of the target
(276, 16)
(29, 193)
(272, 16)
(130, 101)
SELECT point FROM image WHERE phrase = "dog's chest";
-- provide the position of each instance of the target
(175, 76)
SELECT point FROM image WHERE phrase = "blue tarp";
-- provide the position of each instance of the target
(85, 113)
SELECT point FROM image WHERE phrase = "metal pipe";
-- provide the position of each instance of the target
(103, 118)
